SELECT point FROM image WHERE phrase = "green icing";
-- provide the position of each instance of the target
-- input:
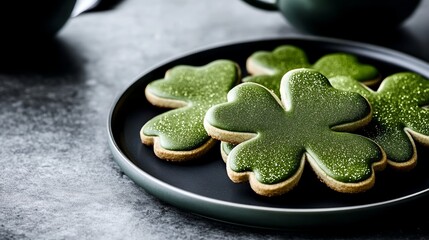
(282, 59)
(276, 64)
(298, 125)
(199, 88)
(287, 57)
(341, 64)
(227, 147)
(397, 104)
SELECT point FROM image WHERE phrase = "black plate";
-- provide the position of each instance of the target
(204, 188)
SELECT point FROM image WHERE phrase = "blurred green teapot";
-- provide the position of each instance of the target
(341, 16)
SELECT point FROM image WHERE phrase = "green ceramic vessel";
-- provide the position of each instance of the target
(340, 16)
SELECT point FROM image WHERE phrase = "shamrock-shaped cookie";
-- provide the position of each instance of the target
(274, 137)
(179, 134)
(268, 68)
(343, 64)
(400, 116)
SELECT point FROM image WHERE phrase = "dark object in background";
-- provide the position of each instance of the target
(342, 17)
(27, 20)
(30, 20)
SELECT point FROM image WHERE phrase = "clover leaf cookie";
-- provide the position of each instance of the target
(400, 116)
(343, 64)
(275, 137)
(268, 68)
(179, 134)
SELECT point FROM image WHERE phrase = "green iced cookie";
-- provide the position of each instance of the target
(342, 64)
(179, 134)
(400, 116)
(268, 68)
(274, 137)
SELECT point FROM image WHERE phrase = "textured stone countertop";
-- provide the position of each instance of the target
(58, 179)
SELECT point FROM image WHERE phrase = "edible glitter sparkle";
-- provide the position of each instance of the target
(398, 104)
(284, 136)
(200, 88)
(284, 58)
